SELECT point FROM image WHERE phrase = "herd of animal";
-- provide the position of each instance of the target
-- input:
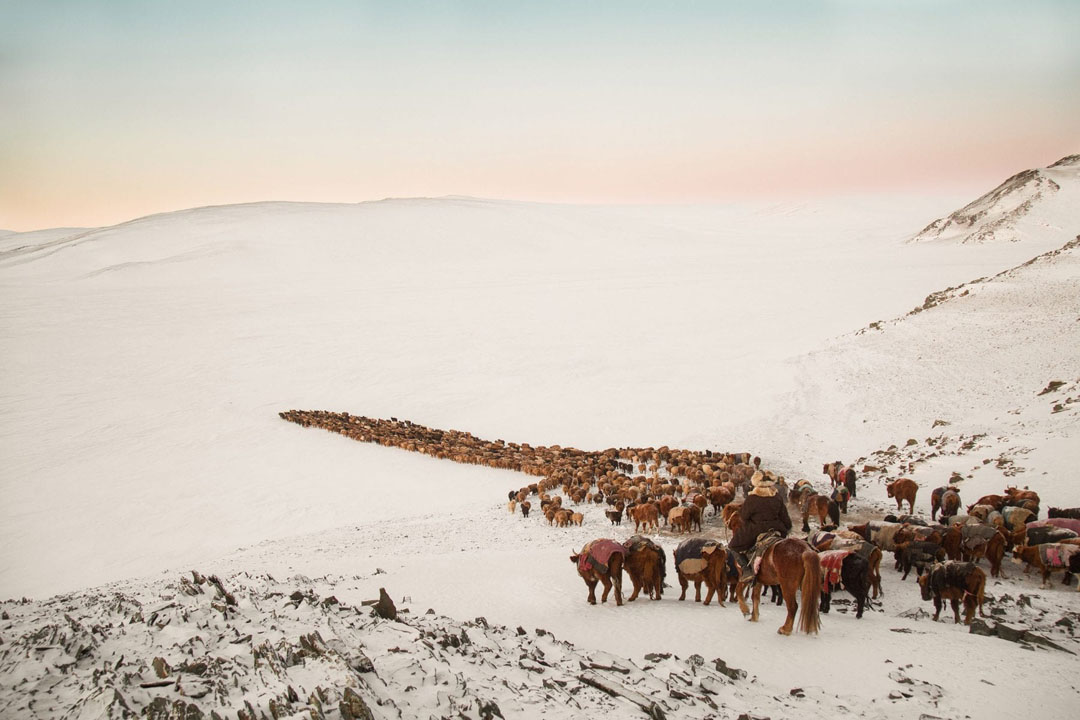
(664, 486)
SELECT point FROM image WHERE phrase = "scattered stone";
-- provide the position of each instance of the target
(657, 657)
(733, 673)
(797, 692)
(385, 607)
(911, 441)
(1051, 387)
(901, 630)
(353, 707)
(161, 668)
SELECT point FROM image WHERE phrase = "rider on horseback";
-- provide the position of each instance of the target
(762, 511)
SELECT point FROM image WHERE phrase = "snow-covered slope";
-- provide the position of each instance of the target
(1032, 199)
(144, 367)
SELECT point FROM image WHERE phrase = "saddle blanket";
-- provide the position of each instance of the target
(1056, 555)
(597, 554)
(832, 561)
(691, 557)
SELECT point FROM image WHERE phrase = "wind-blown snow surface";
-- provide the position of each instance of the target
(144, 366)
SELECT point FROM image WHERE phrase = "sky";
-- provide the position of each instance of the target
(115, 110)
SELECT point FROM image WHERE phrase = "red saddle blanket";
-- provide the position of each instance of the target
(1056, 555)
(832, 561)
(597, 554)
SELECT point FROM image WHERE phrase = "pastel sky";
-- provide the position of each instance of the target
(113, 110)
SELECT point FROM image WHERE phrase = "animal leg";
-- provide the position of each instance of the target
(697, 590)
(788, 589)
(607, 588)
(592, 591)
(684, 584)
(956, 610)
(757, 601)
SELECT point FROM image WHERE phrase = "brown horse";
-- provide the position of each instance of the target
(601, 561)
(732, 519)
(903, 489)
(840, 475)
(698, 560)
(821, 507)
(793, 565)
(646, 564)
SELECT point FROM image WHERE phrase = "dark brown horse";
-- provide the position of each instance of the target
(601, 561)
(793, 565)
(821, 507)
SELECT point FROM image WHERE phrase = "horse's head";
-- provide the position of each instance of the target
(924, 585)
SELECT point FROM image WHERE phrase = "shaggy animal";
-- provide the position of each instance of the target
(801, 490)
(615, 516)
(1049, 558)
(732, 519)
(920, 554)
(820, 507)
(700, 560)
(840, 496)
(601, 561)
(997, 501)
(950, 503)
(1064, 523)
(955, 582)
(794, 566)
(719, 497)
(512, 506)
(935, 499)
(577, 518)
(840, 475)
(645, 515)
(1073, 513)
(646, 563)
(851, 571)
(1039, 535)
(903, 490)
(525, 505)
(679, 519)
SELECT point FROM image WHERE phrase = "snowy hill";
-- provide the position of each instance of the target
(145, 366)
(1029, 199)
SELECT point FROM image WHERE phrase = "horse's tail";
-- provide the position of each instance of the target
(809, 620)
(834, 513)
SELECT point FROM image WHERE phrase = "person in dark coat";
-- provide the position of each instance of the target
(762, 511)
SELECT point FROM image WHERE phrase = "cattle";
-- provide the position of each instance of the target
(601, 561)
(525, 505)
(956, 582)
(646, 563)
(615, 516)
(1073, 513)
(903, 489)
(700, 560)
(1049, 558)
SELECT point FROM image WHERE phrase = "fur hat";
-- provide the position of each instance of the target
(759, 480)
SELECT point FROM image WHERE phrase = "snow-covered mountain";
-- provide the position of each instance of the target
(1029, 199)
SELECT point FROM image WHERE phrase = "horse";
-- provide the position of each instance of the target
(732, 519)
(954, 581)
(848, 568)
(646, 563)
(821, 507)
(903, 489)
(935, 499)
(801, 490)
(840, 496)
(794, 565)
(601, 561)
(839, 474)
(700, 560)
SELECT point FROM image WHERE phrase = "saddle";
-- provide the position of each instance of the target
(753, 558)
(691, 557)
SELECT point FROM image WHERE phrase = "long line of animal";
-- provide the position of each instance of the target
(674, 488)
